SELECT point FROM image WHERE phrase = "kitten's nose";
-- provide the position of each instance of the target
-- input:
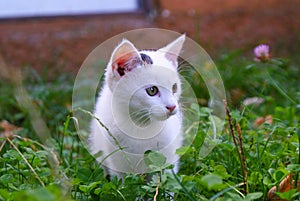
(171, 108)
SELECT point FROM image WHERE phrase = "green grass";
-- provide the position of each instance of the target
(60, 168)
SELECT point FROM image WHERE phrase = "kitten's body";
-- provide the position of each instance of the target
(138, 118)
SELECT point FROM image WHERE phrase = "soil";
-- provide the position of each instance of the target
(218, 25)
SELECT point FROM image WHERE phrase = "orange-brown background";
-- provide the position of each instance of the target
(218, 25)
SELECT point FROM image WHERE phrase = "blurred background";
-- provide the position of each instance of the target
(53, 34)
(50, 39)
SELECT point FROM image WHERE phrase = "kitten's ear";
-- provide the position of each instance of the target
(124, 58)
(173, 49)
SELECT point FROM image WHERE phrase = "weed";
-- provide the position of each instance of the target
(245, 166)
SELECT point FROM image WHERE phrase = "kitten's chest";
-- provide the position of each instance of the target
(167, 135)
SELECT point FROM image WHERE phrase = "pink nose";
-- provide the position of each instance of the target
(171, 108)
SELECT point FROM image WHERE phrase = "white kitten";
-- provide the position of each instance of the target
(139, 106)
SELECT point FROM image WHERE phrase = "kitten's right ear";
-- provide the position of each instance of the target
(173, 49)
(124, 58)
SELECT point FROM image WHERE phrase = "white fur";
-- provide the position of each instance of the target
(123, 94)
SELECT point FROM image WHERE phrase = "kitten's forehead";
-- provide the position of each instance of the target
(159, 59)
(162, 72)
(160, 76)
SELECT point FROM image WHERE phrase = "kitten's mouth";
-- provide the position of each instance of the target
(162, 115)
(171, 113)
(143, 118)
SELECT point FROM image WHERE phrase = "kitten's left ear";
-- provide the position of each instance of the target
(124, 58)
(173, 49)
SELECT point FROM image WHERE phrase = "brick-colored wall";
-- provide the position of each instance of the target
(64, 42)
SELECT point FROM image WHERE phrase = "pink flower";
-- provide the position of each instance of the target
(261, 53)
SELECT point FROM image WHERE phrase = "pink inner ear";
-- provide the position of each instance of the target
(125, 63)
(172, 57)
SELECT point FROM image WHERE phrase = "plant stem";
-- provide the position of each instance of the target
(238, 145)
(297, 175)
(244, 163)
(280, 90)
(117, 143)
(23, 157)
(156, 189)
(232, 129)
(188, 194)
(219, 194)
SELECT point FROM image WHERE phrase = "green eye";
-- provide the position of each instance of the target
(152, 91)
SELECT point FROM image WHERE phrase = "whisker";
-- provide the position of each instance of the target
(145, 121)
(138, 112)
(141, 117)
(138, 118)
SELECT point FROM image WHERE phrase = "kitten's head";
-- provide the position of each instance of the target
(147, 81)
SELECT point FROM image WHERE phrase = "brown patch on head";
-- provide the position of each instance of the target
(126, 63)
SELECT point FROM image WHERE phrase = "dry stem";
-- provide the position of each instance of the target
(238, 145)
